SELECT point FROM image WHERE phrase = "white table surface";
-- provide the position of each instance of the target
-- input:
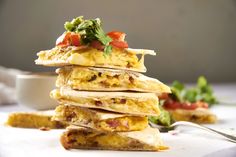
(17, 142)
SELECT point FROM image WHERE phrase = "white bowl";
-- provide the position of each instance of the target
(32, 90)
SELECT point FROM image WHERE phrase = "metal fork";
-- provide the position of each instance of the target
(184, 123)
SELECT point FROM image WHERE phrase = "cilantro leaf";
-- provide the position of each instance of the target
(201, 82)
(107, 49)
(205, 90)
(201, 92)
(69, 26)
(190, 95)
(102, 37)
(177, 89)
(178, 85)
(163, 119)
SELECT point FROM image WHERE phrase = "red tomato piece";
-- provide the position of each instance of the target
(119, 44)
(67, 39)
(116, 35)
(63, 40)
(188, 106)
(75, 39)
(97, 44)
(172, 105)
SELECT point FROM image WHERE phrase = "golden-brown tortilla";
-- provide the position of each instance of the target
(87, 56)
(99, 119)
(100, 79)
(85, 138)
(121, 102)
(199, 115)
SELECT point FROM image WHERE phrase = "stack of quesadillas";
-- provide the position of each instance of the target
(104, 97)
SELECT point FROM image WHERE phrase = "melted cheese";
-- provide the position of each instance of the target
(33, 120)
(107, 80)
(147, 139)
(118, 58)
(99, 120)
(133, 103)
(199, 115)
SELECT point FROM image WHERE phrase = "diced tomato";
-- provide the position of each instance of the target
(188, 106)
(67, 39)
(116, 35)
(118, 39)
(97, 44)
(63, 40)
(119, 44)
(75, 39)
(172, 105)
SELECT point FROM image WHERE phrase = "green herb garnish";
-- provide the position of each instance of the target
(89, 31)
(163, 119)
(201, 92)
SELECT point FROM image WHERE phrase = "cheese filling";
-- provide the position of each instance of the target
(99, 120)
(147, 139)
(199, 115)
(132, 105)
(100, 79)
(93, 57)
(93, 139)
(33, 120)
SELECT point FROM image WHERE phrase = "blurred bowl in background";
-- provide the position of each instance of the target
(32, 90)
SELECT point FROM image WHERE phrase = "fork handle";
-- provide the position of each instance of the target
(225, 135)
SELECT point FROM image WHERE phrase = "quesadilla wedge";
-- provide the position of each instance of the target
(88, 56)
(121, 102)
(98, 119)
(85, 138)
(199, 115)
(190, 104)
(42, 119)
(99, 79)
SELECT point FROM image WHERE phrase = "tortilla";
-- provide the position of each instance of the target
(37, 119)
(87, 56)
(100, 79)
(199, 115)
(99, 119)
(85, 138)
(121, 102)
